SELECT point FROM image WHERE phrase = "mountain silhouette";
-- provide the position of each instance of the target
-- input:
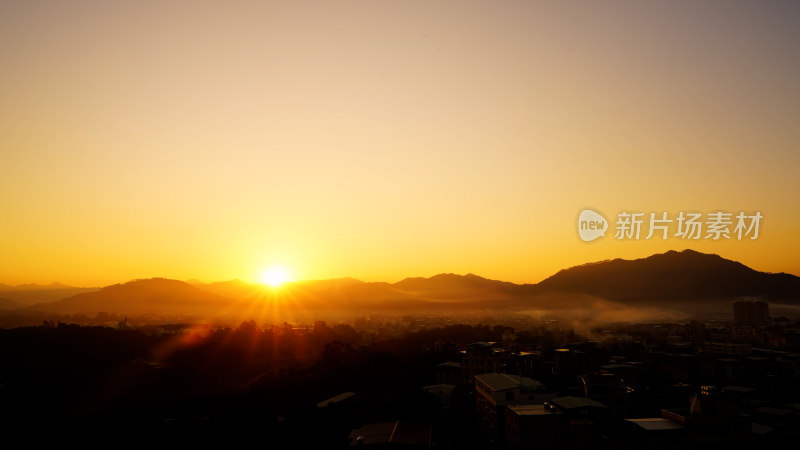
(451, 282)
(662, 279)
(231, 289)
(30, 294)
(34, 287)
(9, 304)
(148, 296)
(674, 275)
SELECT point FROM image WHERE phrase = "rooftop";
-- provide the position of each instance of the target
(655, 424)
(532, 410)
(503, 381)
(570, 402)
(452, 364)
(739, 389)
(481, 344)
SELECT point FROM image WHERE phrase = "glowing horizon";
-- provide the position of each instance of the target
(378, 141)
(275, 276)
(284, 276)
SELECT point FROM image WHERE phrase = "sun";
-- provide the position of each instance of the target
(275, 275)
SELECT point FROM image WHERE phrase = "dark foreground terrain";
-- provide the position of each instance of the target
(182, 384)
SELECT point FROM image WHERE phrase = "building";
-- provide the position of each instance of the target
(482, 357)
(569, 363)
(748, 313)
(503, 388)
(509, 339)
(709, 419)
(449, 372)
(728, 348)
(653, 433)
(443, 393)
(493, 392)
(586, 420)
(527, 364)
(533, 426)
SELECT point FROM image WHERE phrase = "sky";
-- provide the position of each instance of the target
(386, 139)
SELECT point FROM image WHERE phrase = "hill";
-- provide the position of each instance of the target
(448, 282)
(9, 304)
(674, 275)
(686, 281)
(150, 296)
(30, 294)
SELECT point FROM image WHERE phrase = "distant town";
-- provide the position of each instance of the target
(413, 382)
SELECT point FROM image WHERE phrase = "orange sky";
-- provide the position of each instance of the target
(381, 140)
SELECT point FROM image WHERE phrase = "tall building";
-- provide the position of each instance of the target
(534, 426)
(493, 392)
(749, 313)
(450, 372)
(482, 357)
(708, 422)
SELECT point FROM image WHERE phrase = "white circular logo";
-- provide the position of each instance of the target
(591, 225)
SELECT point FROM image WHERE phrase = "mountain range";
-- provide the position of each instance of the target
(674, 275)
(674, 279)
(29, 294)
